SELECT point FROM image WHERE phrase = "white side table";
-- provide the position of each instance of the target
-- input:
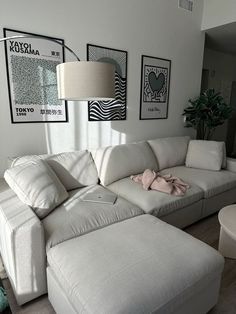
(227, 241)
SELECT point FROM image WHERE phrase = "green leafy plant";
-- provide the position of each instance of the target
(206, 112)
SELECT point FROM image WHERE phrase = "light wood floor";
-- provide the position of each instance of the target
(207, 231)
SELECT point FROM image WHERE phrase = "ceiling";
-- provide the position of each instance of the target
(222, 38)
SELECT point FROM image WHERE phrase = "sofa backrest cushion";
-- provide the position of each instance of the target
(36, 185)
(170, 151)
(74, 169)
(117, 162)
(207, 155)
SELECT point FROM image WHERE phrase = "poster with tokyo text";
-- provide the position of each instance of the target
(155, 85)
(32, 83)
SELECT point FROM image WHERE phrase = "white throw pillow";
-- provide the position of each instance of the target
(36, 185)
(16, 161)
(205, 155)
(74, 169)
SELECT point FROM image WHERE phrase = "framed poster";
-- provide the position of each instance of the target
(32, 84)
(112, 109)
(155, 84)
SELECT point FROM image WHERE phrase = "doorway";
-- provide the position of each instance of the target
(219, 72)
(231, 128)
(205, 79)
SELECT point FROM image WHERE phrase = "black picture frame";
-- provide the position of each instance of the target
(33, 113)
(116, 109)
(154, 88)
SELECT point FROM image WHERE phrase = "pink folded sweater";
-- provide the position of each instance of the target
(152, 180)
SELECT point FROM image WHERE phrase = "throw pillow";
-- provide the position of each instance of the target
(205, 155)
(74, 169)
(36, 185)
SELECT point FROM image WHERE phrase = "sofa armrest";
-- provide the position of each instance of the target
(22, 246)
(231, 164)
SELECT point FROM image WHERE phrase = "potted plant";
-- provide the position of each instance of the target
(206, 112)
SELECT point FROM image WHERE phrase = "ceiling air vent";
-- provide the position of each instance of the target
(186, 4)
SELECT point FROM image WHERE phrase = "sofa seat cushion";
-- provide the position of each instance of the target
(76, 217)
(154, 202)
(140, 265)
(211, 182)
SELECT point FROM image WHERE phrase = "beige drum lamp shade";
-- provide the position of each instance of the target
(86, 80)
(80, 80)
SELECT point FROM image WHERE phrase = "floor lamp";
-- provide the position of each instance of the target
(81, 80)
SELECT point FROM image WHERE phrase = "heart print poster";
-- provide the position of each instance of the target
(155, 83)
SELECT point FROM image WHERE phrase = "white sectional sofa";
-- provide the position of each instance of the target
(209, 190)
(103, 258)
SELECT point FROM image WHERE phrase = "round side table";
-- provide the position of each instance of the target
(227, 241)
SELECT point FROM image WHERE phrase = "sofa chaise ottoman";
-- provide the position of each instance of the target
(25, 239)
(106, 258)
(139, 265)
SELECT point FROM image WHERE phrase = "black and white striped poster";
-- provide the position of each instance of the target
(31, 69)
(112, 109)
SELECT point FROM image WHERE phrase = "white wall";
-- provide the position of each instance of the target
(218, 12)
(152, 27)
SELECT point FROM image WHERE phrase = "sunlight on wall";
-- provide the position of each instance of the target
(79, 133)
(60, 136)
